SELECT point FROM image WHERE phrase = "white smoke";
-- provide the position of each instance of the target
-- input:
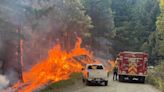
(3, 82)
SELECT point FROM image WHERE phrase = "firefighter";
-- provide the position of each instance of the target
(115, 72)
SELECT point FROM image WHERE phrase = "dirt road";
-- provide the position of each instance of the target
(113, 86)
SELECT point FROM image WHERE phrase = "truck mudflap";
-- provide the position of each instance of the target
(131, 78)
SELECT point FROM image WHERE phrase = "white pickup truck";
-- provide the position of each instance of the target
(95, 73)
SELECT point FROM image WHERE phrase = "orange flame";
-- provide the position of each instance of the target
(58, 66)
(112, 64)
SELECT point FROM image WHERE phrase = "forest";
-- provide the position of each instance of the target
(106, 27)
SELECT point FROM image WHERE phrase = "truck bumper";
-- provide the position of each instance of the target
(132, 78)
(96, 80)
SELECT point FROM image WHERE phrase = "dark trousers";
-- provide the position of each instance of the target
(115, 76)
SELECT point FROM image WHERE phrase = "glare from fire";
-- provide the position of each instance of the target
(58, 66)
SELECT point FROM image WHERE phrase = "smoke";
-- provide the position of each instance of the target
(41, 23)
(3, 82)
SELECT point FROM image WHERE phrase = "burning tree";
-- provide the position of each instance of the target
(42, 22)
(59, 65)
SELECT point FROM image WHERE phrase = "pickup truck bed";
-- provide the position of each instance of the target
(95, 73)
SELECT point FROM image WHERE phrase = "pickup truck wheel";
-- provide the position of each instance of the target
(83, 80)
(106, 83)
(87, 83)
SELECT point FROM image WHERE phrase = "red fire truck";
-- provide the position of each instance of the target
(132, 66)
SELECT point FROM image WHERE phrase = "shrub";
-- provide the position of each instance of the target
(156, 77)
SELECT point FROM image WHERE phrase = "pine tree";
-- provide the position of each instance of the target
(160, 31)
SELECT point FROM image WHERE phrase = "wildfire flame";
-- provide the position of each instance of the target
(112, 64)
(58, 66)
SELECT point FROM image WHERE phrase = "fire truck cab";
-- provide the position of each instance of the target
(132, 66)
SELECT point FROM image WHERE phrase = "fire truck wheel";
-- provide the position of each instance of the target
(142, 79)
(87, 83)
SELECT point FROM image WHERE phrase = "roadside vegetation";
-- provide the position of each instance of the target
(62, 84)
(156, 77)
(155, 47)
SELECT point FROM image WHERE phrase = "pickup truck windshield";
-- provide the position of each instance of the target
(95, 67)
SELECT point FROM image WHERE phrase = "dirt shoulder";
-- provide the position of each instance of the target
(113, 86)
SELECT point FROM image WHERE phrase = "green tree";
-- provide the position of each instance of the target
(134, 21)
(101, 15)
(103, 26)
(43, 24)
(160, 31)
(155, 44)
